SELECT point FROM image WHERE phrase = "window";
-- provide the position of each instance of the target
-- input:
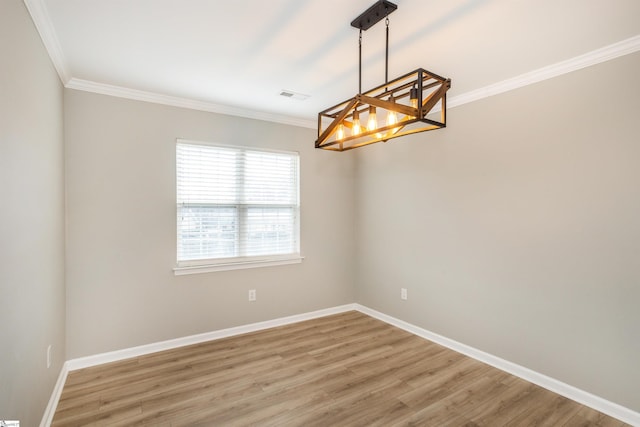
(237, 207)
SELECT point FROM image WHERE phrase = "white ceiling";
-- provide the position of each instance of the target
(239, 54)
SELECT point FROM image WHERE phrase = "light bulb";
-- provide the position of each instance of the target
(372, 123)
(356, 129)
(392, 116)
(340, 132)
(413, 97)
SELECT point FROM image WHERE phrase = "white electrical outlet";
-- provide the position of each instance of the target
(252, 294)
(403, 293)
(49, 356)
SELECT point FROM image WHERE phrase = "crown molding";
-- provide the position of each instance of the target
(42, 21)
(594, 57)
(175, 101)
(607, 53)
(40, 17)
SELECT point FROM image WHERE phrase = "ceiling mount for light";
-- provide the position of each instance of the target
(409, 101)
(373, 15)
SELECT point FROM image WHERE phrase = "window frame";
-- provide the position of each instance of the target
(238, 262)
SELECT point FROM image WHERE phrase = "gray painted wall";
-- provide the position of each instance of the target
(31, 219)
(516, 230)
(121, 240)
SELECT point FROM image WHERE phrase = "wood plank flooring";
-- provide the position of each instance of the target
(342, 370)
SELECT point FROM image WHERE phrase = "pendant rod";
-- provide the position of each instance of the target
(386, 54)
(360, 63)
(366, 20)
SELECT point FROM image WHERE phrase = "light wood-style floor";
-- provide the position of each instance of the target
(342, 370)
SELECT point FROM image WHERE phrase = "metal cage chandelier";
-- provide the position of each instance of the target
(409, 102)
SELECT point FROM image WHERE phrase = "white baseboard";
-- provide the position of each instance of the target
(113, 356)
(47, 418)
(612, 409)
(599, 404)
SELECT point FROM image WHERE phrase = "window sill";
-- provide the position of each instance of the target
(235, 265)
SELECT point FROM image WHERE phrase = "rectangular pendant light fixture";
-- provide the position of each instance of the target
(415, 102)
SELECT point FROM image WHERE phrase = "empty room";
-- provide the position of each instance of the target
(320, 213)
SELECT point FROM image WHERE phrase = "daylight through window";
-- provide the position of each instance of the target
(236, 204)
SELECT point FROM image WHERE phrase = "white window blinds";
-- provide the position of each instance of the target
(235, 204)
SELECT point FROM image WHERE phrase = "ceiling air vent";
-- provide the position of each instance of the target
(293, 95)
